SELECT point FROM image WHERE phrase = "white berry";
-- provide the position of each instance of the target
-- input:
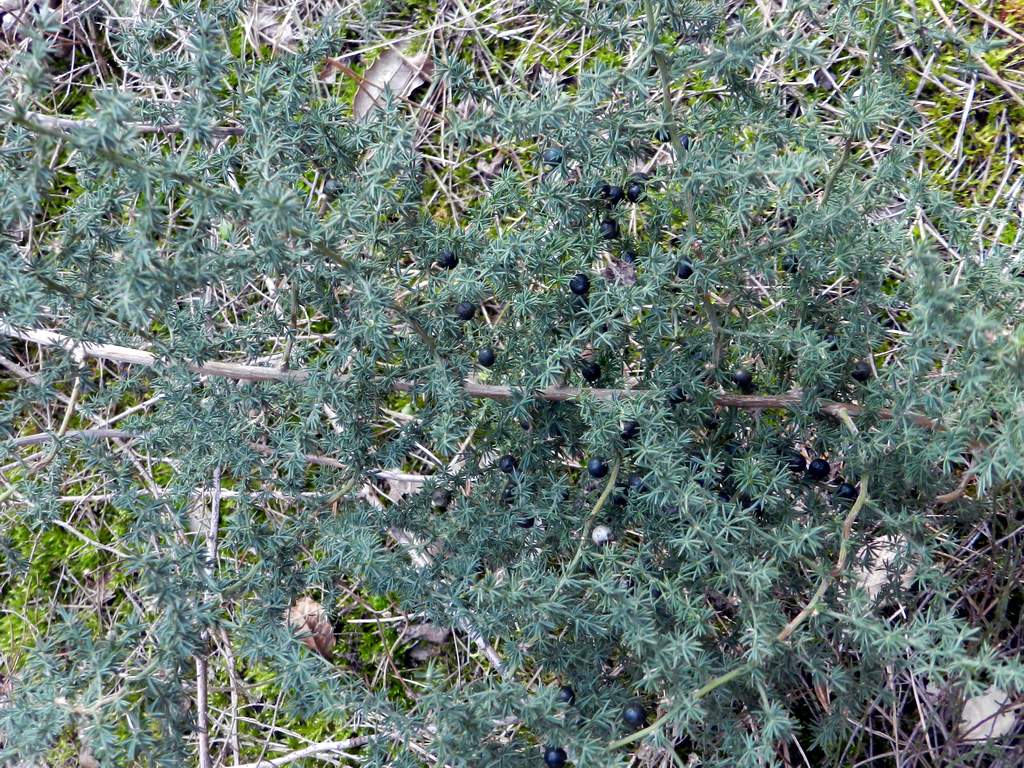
(601, 535)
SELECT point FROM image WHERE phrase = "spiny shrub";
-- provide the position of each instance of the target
(636, 378)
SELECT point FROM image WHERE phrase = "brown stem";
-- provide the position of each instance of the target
(244, 372)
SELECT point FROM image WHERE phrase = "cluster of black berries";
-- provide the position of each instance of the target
(634, 715)
(818, 470)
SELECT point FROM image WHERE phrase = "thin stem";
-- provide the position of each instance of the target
(601, 500)
(791, 400)
(697, 695)
(831, 181)
(844, 546)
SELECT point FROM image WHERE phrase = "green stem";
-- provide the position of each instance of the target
(601, 500)
(697, 695)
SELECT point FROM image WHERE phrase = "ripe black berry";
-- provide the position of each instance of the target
(684, 269)
(861, 371)
(636, 483)
(590, 371)
(684, 141)
(441, 498)
(465, 310)
(846, 491)
(609, 229)
(447, 259)
(508, 464)
(819, 469)
(629, 429)
(634, 715)
(597, 468)
(676, 396)
(612, 193)
(742, 379)
(552, 156)
(634, 191)
(579, 284)
(566, 695)
(796, 463)
(629, 256)
(486, 357)
(555, 757)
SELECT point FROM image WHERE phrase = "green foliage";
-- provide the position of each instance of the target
(255, 221)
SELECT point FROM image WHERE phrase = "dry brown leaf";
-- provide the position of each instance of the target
(393, 71)
(309, 620)
(622, 272)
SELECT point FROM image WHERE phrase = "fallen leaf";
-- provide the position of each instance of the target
(86, 759)
(309, 620)
(880, 568)
(395, 72)
(621, 272)
(429, 632)
(985, 716)
(402, 484)
(422, 651)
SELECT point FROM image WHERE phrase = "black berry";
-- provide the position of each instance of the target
(846, 491)
(819, 469)
(597, 468)
(465, 310)
(609, 229)
(590, 371)
(552, 156)
(508, 464)
(676, 396)
(447, 259)
(566, 695)
(796, 463)
(485, 357)
(636, 483)
(861, 371)
(441, 498)
(579, 284)
(684, 269)
(629, 429)
(629, 256)
(684, 141)
(612, 193)
(634, 191)
(555, 757)
(742, 379)
(634, 715)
